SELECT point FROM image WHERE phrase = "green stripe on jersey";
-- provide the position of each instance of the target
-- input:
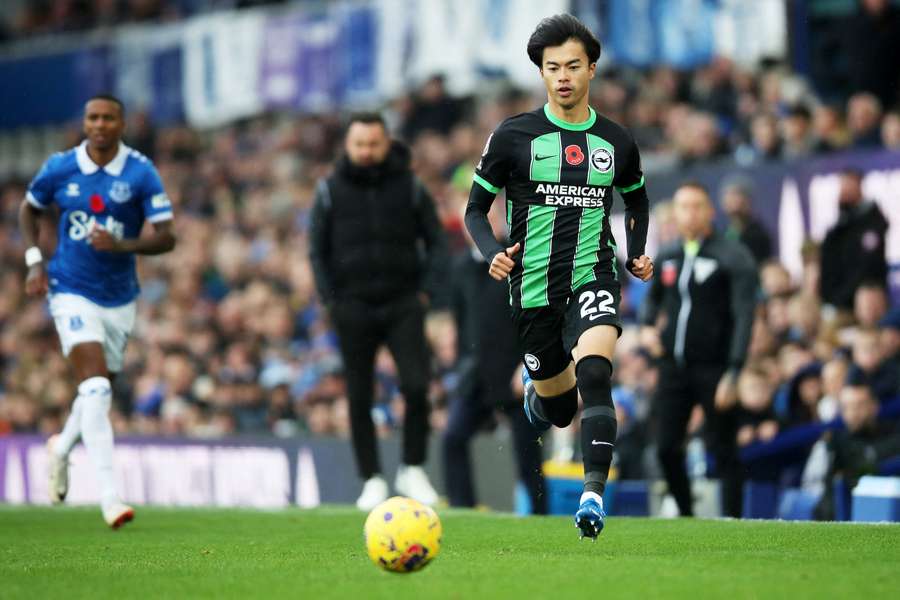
(546, 157)
(596, 177)
(631, 188)
(485, 184)
(586, 124)
(536, 260)
(615, 269)
(589, 229)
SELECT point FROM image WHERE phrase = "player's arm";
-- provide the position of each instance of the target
(29, 228)
(38, 198)
(630, 185)
(157, 210)
(160, 241)
(491, 174)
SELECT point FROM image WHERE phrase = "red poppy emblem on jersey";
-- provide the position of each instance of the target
(574, 154)
(97, 204)
(669, 274)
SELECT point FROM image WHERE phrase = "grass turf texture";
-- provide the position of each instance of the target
(69, 553)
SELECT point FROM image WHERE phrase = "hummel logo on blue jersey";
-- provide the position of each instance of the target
(72, 190)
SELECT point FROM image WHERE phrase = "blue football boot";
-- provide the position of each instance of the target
(589, 518)
(536, 420)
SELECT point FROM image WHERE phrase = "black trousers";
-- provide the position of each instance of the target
(679, 389)
(467, 415)
(362, 328)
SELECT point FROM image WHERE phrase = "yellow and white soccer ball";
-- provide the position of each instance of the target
(403, 535)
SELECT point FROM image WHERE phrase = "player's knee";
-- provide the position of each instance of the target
(96, 391)
(560, 410)
(594, 375)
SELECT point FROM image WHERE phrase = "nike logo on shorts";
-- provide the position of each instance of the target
(596, 443)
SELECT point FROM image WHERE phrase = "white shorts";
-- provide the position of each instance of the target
(79, 321)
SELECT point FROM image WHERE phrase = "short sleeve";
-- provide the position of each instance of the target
(42, 188)
(157, 206)
(493, 169)
(631, 177)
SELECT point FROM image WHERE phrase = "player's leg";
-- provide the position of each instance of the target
(551, 397)
(591, 330)
(529, 457)
(406, 341)
(673, 404)
(359, 339)
(721, 438)
(83, 335)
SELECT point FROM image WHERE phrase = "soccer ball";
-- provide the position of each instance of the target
(402, 535)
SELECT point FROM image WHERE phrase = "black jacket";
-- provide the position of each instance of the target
(374, 233)
(708, 302)
(853, 254)
(487, 343)
(752, 234)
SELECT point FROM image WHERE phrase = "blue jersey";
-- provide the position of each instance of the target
(117, 197)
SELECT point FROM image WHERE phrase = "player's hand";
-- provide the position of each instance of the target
(103, 240)
(36, 281)
(503, 262)
(726, 392)
(641, 267)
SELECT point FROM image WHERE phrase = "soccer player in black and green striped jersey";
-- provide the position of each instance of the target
(559, 165)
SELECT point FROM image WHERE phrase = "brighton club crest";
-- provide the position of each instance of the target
(120, 192)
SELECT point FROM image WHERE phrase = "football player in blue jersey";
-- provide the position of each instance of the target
(104, 192)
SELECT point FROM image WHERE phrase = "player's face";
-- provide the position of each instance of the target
(103, 124)
(693, 212)
(567, 73)
(367, 144)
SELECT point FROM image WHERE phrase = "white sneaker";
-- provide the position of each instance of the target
(117, 514)
(412, 481)
(374, 492)
(59, 472)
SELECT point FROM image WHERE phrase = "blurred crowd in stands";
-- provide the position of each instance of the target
(231, 338)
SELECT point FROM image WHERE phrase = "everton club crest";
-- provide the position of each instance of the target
(120, 192)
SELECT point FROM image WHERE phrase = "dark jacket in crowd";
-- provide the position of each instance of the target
(753, 235)
(853, 254)
(487, 341)
(870, 41)
(707, 300)
(374, 233)
(854, 454)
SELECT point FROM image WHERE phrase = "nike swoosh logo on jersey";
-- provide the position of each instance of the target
(539, 157)
(596, 443)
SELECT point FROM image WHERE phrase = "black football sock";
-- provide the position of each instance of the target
(598, 420)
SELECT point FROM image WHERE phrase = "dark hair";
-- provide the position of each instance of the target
(108, 98)
(556, 31)
(367, 118)
(854, 172)
(693, 183)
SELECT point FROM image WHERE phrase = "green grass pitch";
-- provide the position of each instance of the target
(68, 553)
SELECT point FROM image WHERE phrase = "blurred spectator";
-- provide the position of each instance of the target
(742, 224)
(864, 119)
(856, 451)
(871, 367)
(890, 130)
(853, 249)
(830, 133)
(432, 110)
(756, 417)
(873, 36)
(796, 133)
(870, 303)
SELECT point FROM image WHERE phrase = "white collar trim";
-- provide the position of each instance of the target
(113, 167)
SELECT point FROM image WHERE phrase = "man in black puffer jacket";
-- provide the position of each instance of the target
(378, 253)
